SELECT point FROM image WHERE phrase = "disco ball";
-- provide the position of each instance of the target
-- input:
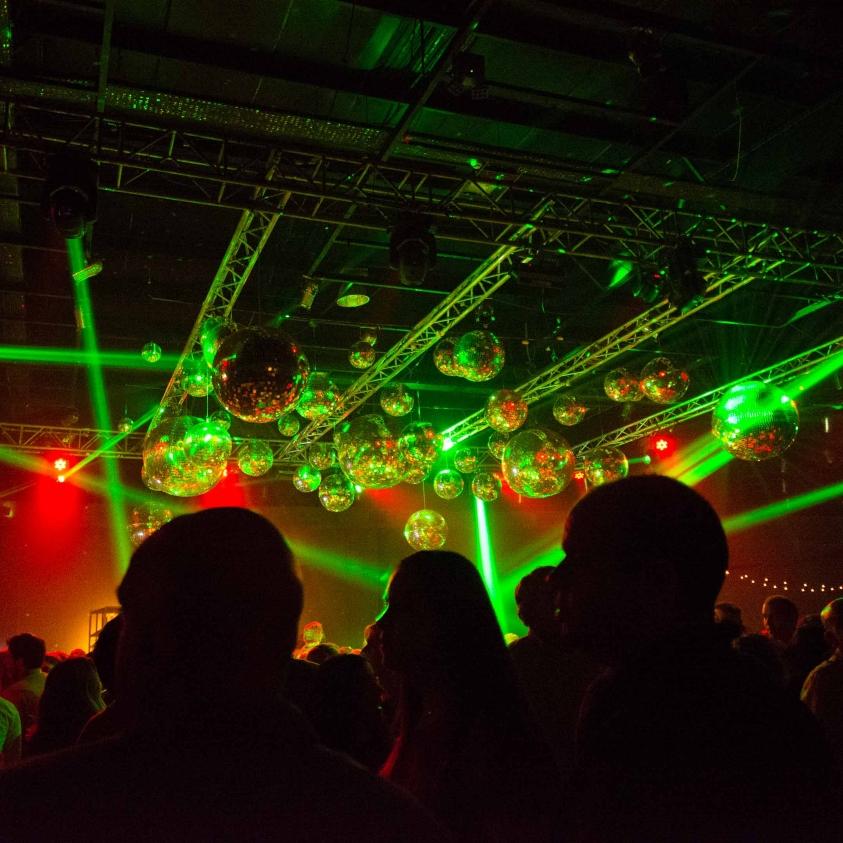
(444, 358)
(319, 398)
(396, 400)
(506, 410)
(479, 355)
(288, 425)
(255, 457)
(221, 417)
(420, 444)
(321, 455)
(415, 473)
(125, 425)
(307, 478)
(756, 421)
(621, 385)
(208, 444)
(605, 465)
(151, 352)
(214, 331)
(336, 492)
(497, 443)
(448, 484)
(361, 355)
(663, 382)
(485, 486)
(368, 453)
(537, 463)
(369, 336)
(259, 373)
(465, 460)
(568, 409)
(426, 530)
(144, 520)
(196, 376)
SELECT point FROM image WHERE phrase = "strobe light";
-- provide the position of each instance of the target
(69, 198)
(412, 250)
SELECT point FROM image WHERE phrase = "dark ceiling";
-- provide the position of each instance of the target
(614, 127)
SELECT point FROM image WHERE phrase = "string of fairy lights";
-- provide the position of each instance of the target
(782, 585)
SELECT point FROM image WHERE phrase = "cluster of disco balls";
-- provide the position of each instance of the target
(660, 380)
(144, 520)
(476, 356)
(361, 355)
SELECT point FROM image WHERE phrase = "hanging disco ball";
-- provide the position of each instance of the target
(151, 352)
(448, 484)
(196, 376)
(426, 530)
(756, 421)
(125, 425)
(621, 385)
(479, 355)
(259, 373)
(605, 465)
(306, 478)
(662, 382)
(255, 457)
(222, 418)
(319, 399)
(497, 443)
(288, 425)
(336, 492)
(485, 486)
(569, 410)
(420, 444)
(465, 460)
(361, 355)
(369, 336)
(368, 453)
(415, 473)
(396, 400)
(214, 331)
(444, 357)
(537, 463)
(506, 410)
(144, 520)
(321, 455)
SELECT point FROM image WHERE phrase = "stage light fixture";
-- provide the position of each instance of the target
(308, 294)
(661, 445)
(60, 464)
(69, 196)
(352, 295)
(468, 76)
(685, 283)
(647, 285)
(412, 249)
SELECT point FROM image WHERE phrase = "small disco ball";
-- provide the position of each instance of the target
(448, 484)
(125, 425)
(288, 425)
(306, 478)
(221, 417)
(537, 463)
(369, 336)
(568, 409)
(319, 398)
(465, 460)
(396, 400)
(144, 520)
(255, 457)
(336, 492)
(214, 331)
(497, 443)
(415, 473)
(321, 455)
(196, 376)
(756, 421)
(506, 410)
(361, 355)
(426, 530)
(259, 374)
(368, 453)
(605, 465)
(419, 443)
(479, 355)
(662, 382)
(621, 385)
(151, 352)
(444, 359)
(485, 486)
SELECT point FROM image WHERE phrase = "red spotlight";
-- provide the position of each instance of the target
(60, 464)
(661, 445)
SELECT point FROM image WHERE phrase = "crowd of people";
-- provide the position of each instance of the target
(636, 708)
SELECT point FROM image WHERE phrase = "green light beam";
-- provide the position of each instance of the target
(781, 509)
(78, 357)
(339, 565)
(706, 468)
(486, 559)
(107, 446)
(99, 402)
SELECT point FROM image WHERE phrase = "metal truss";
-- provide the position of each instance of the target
(700, 404)
(75, 441)
(351, 189)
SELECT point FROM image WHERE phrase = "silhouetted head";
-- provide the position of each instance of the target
(104, 653)
(534, 597)
(832, 618)
(313, 633)
(779, 617)
(72, 695)
(322, 652)
(209, 599)
(643, 556)
(27, 652)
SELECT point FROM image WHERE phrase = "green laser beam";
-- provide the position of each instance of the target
(339, 565)
(487, 562)
(80, 357)
(107, 446)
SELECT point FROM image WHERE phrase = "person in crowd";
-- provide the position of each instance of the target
(779, 617)
(681, 738)
(107, 722)
(728, 615)
(7, 668)
(10, 735)
(554, 676)
(345, 709)
(466, 746)
(763, 652)
(52, 658)
(322, 652)
(211, 751)
(388, 680)
(27, 653)
(312, 635)
(823, 689)
(72, 695)
(809, 648)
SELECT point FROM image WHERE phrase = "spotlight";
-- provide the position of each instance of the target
(661, 445)
(308, 294)
(352, 295)
(685, 283)
(647, 285)
(69, 197)
(60, 464)
(412, 249)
